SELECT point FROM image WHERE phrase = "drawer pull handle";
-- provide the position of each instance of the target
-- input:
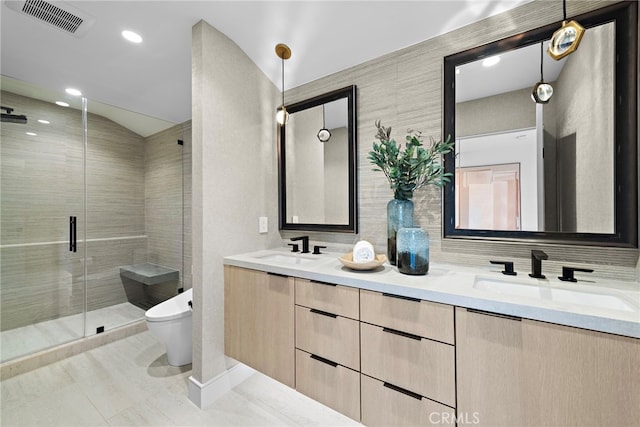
(323, 283)
(490, 313)
(323, 313)
(276, 274)
(401, 297)
(323, 360)
(402, 334)
(403, 391)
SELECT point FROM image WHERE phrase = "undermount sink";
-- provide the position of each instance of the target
(507, 288)
(589, 298)
(287, 259)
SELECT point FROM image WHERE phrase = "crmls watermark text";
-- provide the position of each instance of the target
(444, 418)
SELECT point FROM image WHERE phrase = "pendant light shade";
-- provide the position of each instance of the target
(542, 92)
(566, 39)
(324, 135)
(283, 52)
(282, 115)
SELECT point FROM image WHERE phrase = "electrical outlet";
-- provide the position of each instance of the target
(263, 224)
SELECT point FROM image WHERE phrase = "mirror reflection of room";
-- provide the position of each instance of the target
(318, 172)
(524, 166)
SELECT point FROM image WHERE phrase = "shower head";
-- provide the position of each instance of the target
(13, 118)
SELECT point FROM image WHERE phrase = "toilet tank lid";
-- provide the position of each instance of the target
(173, 308)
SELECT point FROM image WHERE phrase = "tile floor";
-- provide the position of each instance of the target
(128, 383)
(29, 339)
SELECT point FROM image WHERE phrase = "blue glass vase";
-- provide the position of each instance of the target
(413, 251)
(399, 215)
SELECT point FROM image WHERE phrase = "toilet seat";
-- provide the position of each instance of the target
(173, 308)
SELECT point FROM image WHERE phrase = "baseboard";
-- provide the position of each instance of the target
(205, 394)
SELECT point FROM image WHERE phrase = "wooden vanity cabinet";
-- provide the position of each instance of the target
(259, 321)
(328, 344)
(387, 360)
(513, 371)
(407, 361)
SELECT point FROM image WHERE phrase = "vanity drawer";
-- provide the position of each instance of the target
(418, 317)
(384, 405)
(331, 384)
(333, 337)
(336, 299)
(417, 364)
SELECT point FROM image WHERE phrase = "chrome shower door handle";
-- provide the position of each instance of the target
(73, 234)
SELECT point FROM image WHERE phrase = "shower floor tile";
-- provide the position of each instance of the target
(30, 339)
(129, 383)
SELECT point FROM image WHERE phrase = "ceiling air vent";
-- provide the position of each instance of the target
(60, 15)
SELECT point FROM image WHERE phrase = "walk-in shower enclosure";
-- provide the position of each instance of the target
(82, 197)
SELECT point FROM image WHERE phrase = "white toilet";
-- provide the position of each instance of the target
(170, 322)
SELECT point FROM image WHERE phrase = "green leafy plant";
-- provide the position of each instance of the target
(411, 168)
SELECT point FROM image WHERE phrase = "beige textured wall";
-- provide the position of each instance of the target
(234, 178)
(498, 113)
(404, 90)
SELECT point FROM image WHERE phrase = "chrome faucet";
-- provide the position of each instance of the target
(536, 264)
(305, 243)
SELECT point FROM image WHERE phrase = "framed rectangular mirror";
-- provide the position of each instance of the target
(563, 172)
(317, 164)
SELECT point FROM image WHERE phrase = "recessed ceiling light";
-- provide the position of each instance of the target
(44, 122)
(73, 92)
(31, 133)
(490, 61)
(62, 104)
(131, 36)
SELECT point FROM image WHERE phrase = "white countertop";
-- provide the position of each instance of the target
(459, 286)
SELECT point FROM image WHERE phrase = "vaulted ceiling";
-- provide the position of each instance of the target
(154, 77)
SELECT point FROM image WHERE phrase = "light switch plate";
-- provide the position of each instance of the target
(263, 224)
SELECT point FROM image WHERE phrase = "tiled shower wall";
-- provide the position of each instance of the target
(167, 205)
(42, 184)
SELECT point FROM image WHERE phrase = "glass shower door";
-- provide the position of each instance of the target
(42, 292)
(115, 218)
(135, 218)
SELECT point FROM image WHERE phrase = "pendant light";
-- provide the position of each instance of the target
(323, 134)
(542, 92)
(283, 52)
(566, 39)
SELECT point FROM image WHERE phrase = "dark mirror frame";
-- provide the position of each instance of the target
(625, 14)
(348, 92)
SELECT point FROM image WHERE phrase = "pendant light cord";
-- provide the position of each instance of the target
(541, 61)
(283, 80)
(564, 9)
